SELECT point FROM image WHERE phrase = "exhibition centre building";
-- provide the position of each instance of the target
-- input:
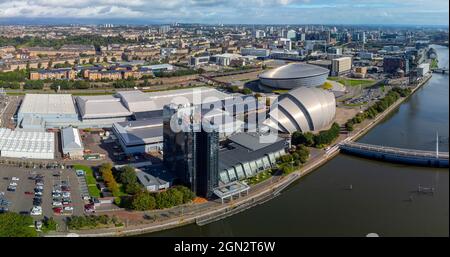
(303, 109)
(294, 75)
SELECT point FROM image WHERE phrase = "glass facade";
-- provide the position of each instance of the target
(192, 156)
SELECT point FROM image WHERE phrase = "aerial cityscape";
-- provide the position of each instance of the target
(224, 118)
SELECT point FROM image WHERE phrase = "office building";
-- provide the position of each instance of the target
(341, 66)
(190, 151)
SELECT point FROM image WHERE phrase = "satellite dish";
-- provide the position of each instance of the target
(372, 235)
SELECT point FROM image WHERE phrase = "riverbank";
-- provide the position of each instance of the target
(265, 192)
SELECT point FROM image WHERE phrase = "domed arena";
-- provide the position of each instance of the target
(294, 75)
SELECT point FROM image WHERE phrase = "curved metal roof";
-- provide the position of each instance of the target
(303, 109)
(294, 70)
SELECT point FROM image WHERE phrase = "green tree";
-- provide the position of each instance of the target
(16, 225)
(143, 201)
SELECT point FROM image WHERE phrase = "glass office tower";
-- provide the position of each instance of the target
(189, 152)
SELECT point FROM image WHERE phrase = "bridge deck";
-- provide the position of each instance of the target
(396, 151)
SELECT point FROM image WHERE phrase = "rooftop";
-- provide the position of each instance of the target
(294, 70)
(48, 104)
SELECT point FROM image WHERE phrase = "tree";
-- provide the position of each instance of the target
(91, 60)
(105, 59)
(127, 175)
(133, 188)
(303, 138)
(16, 225)
(114, 59)
(50, 64)
(143, 201)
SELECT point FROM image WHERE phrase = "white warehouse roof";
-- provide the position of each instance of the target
(92, 107)
(48, 104)
(71, 139)
(23, 144)
(137, 101)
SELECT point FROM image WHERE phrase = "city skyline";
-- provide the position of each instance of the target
(351, 12)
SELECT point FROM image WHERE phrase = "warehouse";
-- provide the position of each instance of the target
(151, 104)
(72, 145)
(101, 111)
(24, 144)
(50, 110)
(247, 154)
(140, 136)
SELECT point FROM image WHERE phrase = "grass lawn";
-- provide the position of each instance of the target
(353, 82)
(260, 177)
(90, 180)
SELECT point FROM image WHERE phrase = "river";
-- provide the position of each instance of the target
(383, 199)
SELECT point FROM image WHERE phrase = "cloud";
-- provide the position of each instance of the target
(236, 11)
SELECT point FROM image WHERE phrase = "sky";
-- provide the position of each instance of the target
(401, 12)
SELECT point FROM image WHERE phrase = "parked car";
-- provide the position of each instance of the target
(3, 209)
(57, 210)
(66, 194)
(68, 208)
(57, 204)
(15, 179)
(38, 193)
(29, 193)
(79, 173)
(11, 188)
(14, 184)
(36, 211)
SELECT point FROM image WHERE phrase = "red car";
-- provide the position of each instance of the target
(29, 193)
(57, 210)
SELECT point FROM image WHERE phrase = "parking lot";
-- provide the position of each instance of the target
(52, 181)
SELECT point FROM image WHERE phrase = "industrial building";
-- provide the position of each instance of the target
(48, 110)
(26, 144)
(341, 66)
(72, 146)
(247, 154)
(303, 109)
(139, 136)
(101, 111)
(294, 75)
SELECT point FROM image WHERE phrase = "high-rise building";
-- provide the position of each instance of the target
(164, 29)
(292, 35)
(341, 65)
(191, 151)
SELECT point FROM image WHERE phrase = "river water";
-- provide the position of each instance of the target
(383, 199)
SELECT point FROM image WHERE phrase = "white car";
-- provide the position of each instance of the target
(66, 194)
(57, 204)
(38, 193)
(68, 208)
(36, 211)
(15, 179)
(13, 184)
(56, 195)
(40, 187)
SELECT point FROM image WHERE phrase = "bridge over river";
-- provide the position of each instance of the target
(399, 155)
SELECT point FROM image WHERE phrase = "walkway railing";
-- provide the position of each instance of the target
(394, 150)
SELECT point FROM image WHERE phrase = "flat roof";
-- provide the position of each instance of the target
(138, 101)
(106, 106)
(48, 104)
(141, 131)
(236, 153)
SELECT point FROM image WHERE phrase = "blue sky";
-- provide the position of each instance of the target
(412, 12)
